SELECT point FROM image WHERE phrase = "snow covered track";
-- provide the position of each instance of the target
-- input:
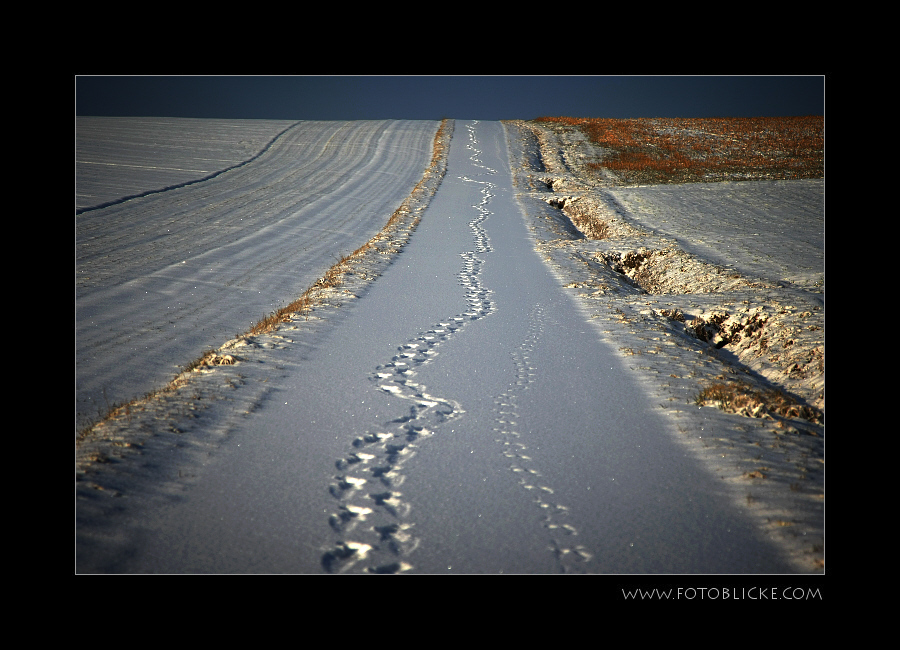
(163, 277)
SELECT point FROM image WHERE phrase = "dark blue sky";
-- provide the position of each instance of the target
(461, 97)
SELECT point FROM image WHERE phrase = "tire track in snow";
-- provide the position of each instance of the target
(512, 438)
(374, 533)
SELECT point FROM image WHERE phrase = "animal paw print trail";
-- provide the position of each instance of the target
(513, 440)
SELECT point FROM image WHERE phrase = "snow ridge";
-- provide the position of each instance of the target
(372, 470)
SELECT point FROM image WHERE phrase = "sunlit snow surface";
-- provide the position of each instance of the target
(468, 414)
(163, 277)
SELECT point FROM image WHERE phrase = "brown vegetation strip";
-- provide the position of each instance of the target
(679, 150)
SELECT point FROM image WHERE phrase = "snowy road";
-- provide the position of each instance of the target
(463, 417)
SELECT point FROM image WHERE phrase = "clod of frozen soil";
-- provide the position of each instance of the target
(779, 338)
(740, 398)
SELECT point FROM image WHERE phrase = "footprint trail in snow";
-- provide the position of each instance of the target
(373, 528)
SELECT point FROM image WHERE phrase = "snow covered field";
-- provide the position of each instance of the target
(164, 277)
(125, 157)
(459, 416)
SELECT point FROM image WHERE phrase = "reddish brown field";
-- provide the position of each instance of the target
(675, 150)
